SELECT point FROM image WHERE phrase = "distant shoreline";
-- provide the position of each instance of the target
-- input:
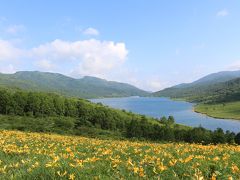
(194, 109)
(213, 116)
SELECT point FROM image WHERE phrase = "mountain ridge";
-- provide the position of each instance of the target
(85, 87)
(210, 87)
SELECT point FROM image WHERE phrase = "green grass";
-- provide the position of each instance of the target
(224, 110)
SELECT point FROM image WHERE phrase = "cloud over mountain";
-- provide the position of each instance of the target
(86, 57)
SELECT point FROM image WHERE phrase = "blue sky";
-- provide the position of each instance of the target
(151, 44)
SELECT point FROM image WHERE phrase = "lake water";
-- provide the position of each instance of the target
(158, 107)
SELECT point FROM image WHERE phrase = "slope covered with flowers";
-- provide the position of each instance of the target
(45, 156)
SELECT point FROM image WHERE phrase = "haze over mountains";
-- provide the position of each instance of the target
(219, 86)
(86, 87)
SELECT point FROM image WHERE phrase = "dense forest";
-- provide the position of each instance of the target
(48, 112)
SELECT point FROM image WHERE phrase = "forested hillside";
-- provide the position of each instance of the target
(47, 112)
(86, 87)
(207, 90)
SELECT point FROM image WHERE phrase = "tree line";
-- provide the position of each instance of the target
(50, 111)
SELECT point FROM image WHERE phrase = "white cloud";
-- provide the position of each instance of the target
(89, 57)
(91, 31)
(7, 69)
(45, 64)
(9, 56)
(8, 51)
(223, 12)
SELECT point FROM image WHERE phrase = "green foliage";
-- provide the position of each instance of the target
(237, 138)
(169, 122)
(218, 136)
(199, 135)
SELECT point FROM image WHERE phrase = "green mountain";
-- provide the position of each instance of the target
(214, 78)
(86, 87)
(217, 87)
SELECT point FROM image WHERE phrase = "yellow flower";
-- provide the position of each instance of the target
(79, 163)
(114, 165)
(56, 158)
(161, 167)
(188, 159)
(135, 170)
(173, 162)
(72, 165)
(213, 177)
(235, 169)
(141, 172)
(61, 174)
(35, 165)
(71, 177)
(130, 161)
(68, 150)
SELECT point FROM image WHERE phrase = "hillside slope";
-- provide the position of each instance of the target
(218, 87)
(86, 87)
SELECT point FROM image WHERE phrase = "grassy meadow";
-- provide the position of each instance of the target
(229, 110)
(45, 156)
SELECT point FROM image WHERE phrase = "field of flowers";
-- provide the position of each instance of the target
(44, 156)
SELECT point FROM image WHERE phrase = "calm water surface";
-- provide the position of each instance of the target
(158, 107)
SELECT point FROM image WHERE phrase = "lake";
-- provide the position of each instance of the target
(181, 110)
